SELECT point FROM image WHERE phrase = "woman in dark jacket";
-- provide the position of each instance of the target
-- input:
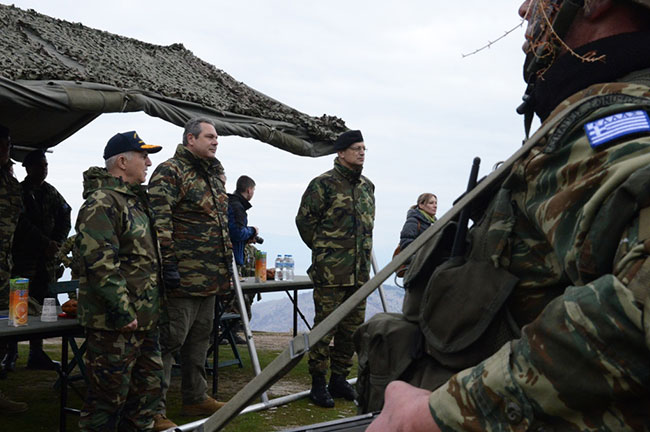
(418, 218)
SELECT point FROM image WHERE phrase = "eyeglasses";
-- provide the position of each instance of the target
(358, 149)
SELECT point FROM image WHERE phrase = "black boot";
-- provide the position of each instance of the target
(339, 387)
(319, 394)
(38, 359)
(9, 360)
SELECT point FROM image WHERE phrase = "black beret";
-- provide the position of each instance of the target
(346, 139)
(4, 131)
(33, 157)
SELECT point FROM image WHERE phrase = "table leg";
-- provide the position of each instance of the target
(64, 383)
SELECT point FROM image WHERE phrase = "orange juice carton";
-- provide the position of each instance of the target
(18, 301)
(260, 266)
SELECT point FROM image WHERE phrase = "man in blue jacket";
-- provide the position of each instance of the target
(238, 204)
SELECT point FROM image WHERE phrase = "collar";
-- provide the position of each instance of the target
(350, 174)
(624, 53)
(239, 197)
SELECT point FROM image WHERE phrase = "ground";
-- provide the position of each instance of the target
(36, 388)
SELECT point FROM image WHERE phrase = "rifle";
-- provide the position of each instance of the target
(458, 248)
(300, 344)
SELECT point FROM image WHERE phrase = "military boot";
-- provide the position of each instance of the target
(38, 359)
(9, 360)
(319, 394)
(339, 387)
(7, 406)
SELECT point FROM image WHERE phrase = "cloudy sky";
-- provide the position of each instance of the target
(395, 70)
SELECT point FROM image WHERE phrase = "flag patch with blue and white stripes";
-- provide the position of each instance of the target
(615, 126)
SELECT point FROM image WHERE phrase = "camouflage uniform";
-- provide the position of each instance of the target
(578, 239)
(46, 218)
(335, 220)
(119, 281)
(10, 207)
(191, 208)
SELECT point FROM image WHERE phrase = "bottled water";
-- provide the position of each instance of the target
(288, 268)
(279, 268)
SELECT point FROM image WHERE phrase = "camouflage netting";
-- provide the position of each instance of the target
(70, 64)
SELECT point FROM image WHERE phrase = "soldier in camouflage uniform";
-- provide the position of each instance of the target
(335, 220)
(10, 207)
(577, 235)
(42, 228)
(191, 208)
(119, 291)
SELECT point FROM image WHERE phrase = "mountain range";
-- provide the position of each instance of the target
(277, 315)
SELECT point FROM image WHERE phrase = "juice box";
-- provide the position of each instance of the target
(260, 266)
(18, 301)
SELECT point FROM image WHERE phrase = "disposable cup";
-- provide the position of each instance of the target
(49, 310)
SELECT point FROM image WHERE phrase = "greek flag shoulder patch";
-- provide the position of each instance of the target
(612, 127)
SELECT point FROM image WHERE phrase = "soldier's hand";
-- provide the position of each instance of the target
(171, 277)
(132, 326)
(406, 408)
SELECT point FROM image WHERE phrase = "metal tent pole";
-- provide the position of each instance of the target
(375, 269)
(247, 328)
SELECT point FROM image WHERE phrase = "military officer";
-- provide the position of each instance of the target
(191, 207)
(119, 290)
(335, 220)
(577, 240)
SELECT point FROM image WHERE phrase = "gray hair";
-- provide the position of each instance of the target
(111, 161)
(193, 126)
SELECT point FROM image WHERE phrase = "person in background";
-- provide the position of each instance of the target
(119, 291)
(191, 207)
(573, 224)
(10, 207)
(418, 218)
(335, 220)
(241, 234)
(238, 204)
(42, 228)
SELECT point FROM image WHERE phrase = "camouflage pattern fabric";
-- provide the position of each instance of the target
(582, 363)
(125, 372)
(68, 257)
(191, 209)
(46, 218)
(119, 261)
(335, 220)
(326, 300)
(10, 207)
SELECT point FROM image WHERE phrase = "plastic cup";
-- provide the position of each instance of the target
(49, 310)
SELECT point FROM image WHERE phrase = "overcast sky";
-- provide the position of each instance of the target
(395, 70)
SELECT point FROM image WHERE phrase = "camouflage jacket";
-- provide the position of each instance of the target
(191, 208)
(46, 218)
(578, 241)
(119, 259)
(335, 220)
(10, 207)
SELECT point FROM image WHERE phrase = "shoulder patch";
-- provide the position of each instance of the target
(612, 127)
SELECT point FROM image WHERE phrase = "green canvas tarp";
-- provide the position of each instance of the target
(57, 76)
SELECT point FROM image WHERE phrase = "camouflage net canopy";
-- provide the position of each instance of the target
(57, 76)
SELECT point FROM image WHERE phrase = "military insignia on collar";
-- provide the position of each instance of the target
(612, 127)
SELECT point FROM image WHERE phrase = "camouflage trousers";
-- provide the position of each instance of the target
(340, 355)
(125, 380)
(5, 275)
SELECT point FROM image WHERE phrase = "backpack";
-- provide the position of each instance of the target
(401, 271)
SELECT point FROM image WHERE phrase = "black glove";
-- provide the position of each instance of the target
(171, 278)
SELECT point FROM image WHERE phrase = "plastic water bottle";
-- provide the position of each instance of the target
(288, 267)
(279, 268)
